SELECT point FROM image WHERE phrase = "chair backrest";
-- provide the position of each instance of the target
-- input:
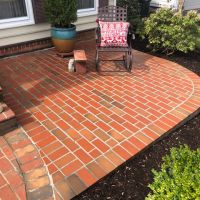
(112, 14)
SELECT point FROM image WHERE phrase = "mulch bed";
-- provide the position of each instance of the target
(131, 180)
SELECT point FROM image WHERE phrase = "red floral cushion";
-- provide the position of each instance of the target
(114, 34)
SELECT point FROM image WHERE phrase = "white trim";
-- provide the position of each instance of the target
(19, 21)
(89, 11)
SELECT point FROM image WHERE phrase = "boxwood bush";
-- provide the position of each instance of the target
(169, 32)
(179, 177)
(198, 41)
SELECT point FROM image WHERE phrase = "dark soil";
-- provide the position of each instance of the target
(130, 181)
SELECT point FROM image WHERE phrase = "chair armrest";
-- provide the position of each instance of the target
(133, 36)
(131, 33)
(97, 31)
(98, 35)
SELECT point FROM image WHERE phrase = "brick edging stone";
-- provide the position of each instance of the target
(35, 174)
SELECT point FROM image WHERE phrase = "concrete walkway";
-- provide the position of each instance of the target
(84, 126)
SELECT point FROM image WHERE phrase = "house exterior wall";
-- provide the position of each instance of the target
(41, 29)
(187, 4)
(191, 4)
(164, 3)
(38, 10)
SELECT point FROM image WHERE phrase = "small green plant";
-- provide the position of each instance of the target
(169, 32)
(61, 13)
(179, 178)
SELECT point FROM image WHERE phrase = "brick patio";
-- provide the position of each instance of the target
(84, 126)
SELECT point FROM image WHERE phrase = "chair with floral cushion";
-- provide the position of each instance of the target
(113, 34)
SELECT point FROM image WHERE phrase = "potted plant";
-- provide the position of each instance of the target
(61, 15)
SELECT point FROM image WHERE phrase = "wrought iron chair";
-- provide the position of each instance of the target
(113, 14)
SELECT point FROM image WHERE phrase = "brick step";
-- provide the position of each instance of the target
(8, 120)
(80, 61)
(31, 169)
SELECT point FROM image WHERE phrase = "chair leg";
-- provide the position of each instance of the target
(130, 60)
(97, 60)
(125, 59)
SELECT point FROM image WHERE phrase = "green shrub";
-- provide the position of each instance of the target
(169, 32)
(61, 13)
(179, 178)
(198, 41)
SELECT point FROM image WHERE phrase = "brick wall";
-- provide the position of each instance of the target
(103, 3)
(24, 47)
(38, 10)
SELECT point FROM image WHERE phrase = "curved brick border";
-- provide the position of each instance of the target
(11, 179)
(35, 174)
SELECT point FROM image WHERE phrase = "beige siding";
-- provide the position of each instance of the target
(23, 34)
(165, 3)
(188, 4)
(38, 31)
(160, 3)
(191, 4)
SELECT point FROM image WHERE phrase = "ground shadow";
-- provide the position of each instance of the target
(32, 78)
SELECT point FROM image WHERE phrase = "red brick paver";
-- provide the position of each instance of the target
(84, 126)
